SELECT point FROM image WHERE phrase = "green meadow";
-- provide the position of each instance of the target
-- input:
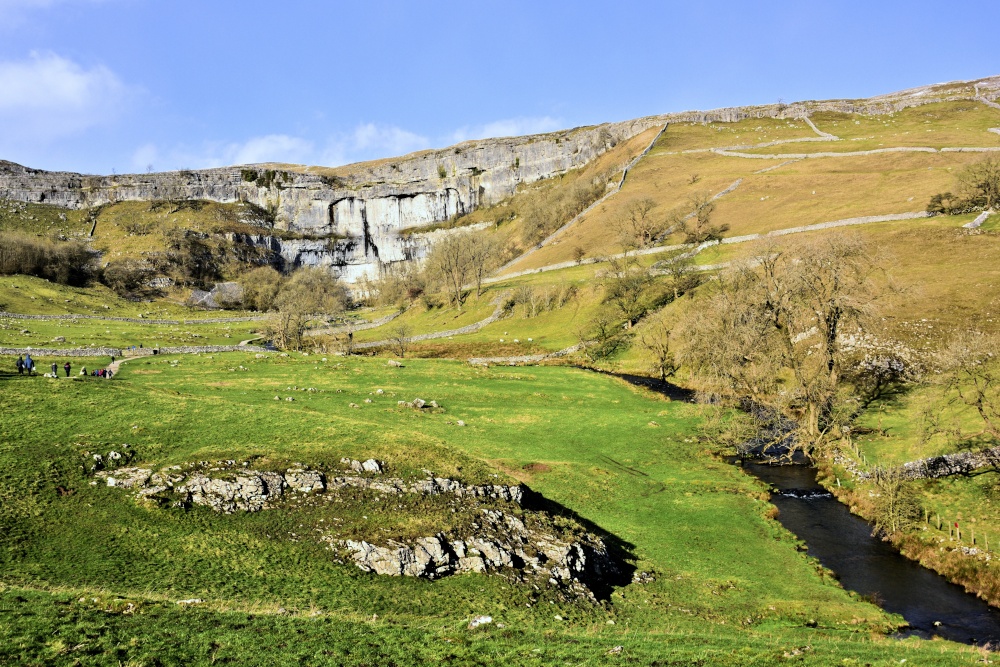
(91, 576)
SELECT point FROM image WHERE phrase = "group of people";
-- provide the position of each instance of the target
(26, 364)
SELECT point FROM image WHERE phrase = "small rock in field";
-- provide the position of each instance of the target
(615, 651)
(460, 423)
(480, 620)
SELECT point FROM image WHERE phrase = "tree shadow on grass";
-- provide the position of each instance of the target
(671, 391)
(602, 579)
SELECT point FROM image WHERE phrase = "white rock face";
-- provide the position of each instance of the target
(364, 206)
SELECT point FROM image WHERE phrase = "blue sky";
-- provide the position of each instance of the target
(127, 85)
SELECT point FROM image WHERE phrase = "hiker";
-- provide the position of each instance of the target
(20, 365)
(29, 364)
(55, 369)
(67, 367)
(83, 371)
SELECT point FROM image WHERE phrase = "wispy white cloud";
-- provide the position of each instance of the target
(47, 97)
(270, 148)
(367, 141)
(507, 127)
(370, 141)
(265, 148)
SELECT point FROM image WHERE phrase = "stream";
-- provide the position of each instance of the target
(843, 543)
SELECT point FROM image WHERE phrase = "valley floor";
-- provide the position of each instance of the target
(90, 576)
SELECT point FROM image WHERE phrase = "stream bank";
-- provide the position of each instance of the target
(843, 543)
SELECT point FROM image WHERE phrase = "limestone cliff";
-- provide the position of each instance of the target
(353, 215)
(362, 207)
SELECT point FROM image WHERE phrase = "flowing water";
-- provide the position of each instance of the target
(843, 543)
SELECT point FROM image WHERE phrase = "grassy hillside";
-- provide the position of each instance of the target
(86, 569)
(773, 195)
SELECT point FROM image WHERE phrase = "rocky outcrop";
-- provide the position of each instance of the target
(221, 295)
(486, 527)
(959, 463)
(229, 487)
(501, 543)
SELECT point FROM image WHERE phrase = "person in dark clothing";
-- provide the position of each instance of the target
(55, 369)
(67, 367)
(20, 365)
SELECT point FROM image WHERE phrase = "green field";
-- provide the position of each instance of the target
(91, 576)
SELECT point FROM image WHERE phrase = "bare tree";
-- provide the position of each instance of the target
(971, 365)
(624, 287)
(450, 264)
(484, 253)
(307, 293)
(770, 329)
(604, 336)
(655, 338)
(260, 288)
(399, 339)
(895, 505)
(980, 183)
(697, 225)
(636, 227)
(979, 189)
